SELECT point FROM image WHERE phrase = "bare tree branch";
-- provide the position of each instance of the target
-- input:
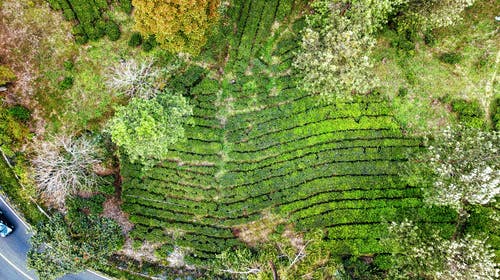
(64, 166)
(135, 79)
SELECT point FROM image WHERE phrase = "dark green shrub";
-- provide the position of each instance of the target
(113, 30)
(101, 4)
(81, 39)
(402, 92)
(20, 113)
(80, 36)
(403, 41)
(66, 83)
(361, 268)
(126, 6)
(189, 79)
(98, 31)
(451, 58)
(149, 43)
(146, 46)
(135, 40)
(54, 4)
(77, 30)
(469, 113)
(429, 39)
(107, 189)
(466, 108)
(67, 12)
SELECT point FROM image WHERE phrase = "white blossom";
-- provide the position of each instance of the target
(466, 164)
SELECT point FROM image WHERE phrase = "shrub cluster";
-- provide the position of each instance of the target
(92, 24)
(469, 113)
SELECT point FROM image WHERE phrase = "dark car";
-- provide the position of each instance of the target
(5, 227)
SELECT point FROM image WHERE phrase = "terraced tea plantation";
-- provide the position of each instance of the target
(260, 145)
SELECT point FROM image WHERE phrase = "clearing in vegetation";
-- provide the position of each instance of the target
(260, 144)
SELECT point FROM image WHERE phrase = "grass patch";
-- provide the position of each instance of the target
(459, 62)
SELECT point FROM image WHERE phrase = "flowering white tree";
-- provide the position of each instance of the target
(64, 166)
(465, 164)
(334, 59)
(416, 256)
(430, 14)
(134, 79)
(335, 64)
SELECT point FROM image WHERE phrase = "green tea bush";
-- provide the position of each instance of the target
(20, 113)
(91, 22)
(66, 83)
(135, 40)
(149, 44)
(429, 38)
(113, 30)
(126, 5)
(403, 43)
(451, 58)
(469, 113)
(107, 189)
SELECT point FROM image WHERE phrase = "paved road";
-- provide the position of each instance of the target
(13, 250)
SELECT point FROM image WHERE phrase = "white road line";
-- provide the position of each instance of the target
(98, 274)
(15, 214)
(15, 267)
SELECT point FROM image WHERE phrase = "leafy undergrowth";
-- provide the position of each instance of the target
(422, 76)
(61, 82)
(259, 144)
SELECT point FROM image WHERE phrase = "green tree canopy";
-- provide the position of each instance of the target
(145, 129)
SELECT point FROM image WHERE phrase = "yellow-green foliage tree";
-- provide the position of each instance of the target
(179, 25)
(6, 75)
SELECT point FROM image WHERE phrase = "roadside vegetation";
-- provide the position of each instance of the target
(325, 139)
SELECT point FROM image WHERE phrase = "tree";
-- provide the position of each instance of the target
(134, 79)
(334, 59)
(429, 14)
(58, 249)
(53, 253)
(461, 168)
(145, 129)
(64, 166)
(179, 25)
(416, 256)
